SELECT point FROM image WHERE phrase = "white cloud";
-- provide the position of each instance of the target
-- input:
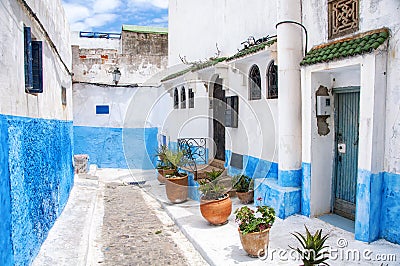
(105, 6)
(76, 12)
(104, 15)
(99, 20)
(162, 20)
(155, 3)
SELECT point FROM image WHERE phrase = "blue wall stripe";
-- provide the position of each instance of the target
(116, 147)
(6, 252)
(306, 189)
(390, 210)
(40, 174)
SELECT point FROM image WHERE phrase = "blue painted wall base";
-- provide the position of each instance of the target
(133, 148)
(390, 210)
(369, 194)
(306, 189)
(285, 200)
(36, 178)
(290, 178)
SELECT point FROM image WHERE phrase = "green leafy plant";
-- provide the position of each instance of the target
(175, 160)
(243, 183)
(312, 251)
(213, 175)
(248, 221)
(163, 163)
(210, 188)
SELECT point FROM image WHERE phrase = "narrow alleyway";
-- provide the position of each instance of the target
(107, 222)
(137, 232)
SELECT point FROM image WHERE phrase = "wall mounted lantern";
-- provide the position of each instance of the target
(116, 75)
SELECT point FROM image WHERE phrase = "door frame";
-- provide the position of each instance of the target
(218, 81)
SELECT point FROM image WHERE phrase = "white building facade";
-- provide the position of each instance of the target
(320, 135)
(36, 144)
(115, 123)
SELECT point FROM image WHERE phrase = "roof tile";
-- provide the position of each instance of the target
(359, 44)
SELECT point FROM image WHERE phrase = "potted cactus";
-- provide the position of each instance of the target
(244, 186)
(215, 204)
(176, 182)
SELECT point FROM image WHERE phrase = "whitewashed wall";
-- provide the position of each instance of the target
(187, 122)
(373, 15)
(133, 107)
(226, 23)
(258, 118)
(14, 100)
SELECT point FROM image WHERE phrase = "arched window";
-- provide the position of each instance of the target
(272, 80)
(191, 98)
(255, 83)
(176, 99)
(183, 98)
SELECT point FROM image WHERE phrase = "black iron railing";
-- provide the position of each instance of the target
(195, 150)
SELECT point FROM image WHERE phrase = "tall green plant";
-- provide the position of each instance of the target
(243, 183)
(175, 159)
(312, 251)
(209, 187)
(163, 163)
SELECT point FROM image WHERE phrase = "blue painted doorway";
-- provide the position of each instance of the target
(347, 116)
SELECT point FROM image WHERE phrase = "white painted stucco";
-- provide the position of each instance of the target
(129, 107)
(211, 22)
(374, 14)
(366, 71)
(15, 101)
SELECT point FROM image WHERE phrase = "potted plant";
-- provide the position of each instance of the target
(244, 186)
(215, 204)
(176, 183)
(254, 229)
(312, 251)
(163, 166)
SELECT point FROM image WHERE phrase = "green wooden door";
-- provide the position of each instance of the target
(347, 106)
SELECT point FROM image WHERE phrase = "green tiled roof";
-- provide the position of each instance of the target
(212, 62)
(359, 44)
(177, 74)
(145, 29)
(195, 67)
(252, 50)
(209, 63)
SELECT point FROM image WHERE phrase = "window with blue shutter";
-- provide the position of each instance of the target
(33, 60)
(28, 59)
(37, 67)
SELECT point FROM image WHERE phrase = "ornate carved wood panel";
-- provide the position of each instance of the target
(343, 17)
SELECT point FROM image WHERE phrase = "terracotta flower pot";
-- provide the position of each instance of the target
(216, 211)
(255, 243)
(246, 197)
(232, 193)
(177, 188)
(162, 173)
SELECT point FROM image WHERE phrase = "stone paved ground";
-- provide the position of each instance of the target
(136, 231)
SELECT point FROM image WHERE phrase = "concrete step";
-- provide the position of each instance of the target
(218, 163)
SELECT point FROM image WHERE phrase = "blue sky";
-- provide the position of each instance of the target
(109, 15)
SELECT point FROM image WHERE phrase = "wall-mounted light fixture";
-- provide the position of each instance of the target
(116, 75)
